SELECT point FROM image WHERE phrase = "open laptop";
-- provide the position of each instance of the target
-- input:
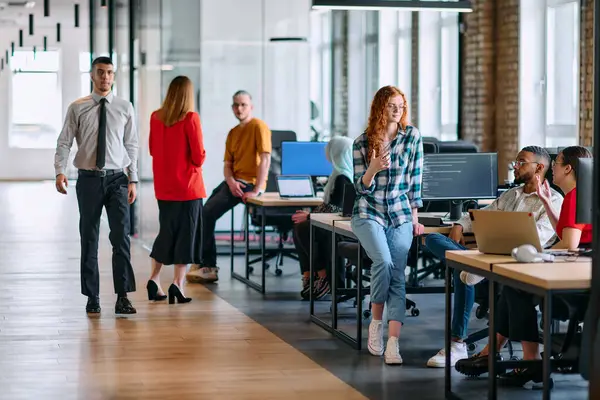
(498, 232)
(295, 186)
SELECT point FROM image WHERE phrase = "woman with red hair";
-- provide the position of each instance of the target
(388, 162)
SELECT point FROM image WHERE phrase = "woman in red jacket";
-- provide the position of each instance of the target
(178, 153)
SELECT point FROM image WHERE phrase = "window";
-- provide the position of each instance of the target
(320, 91)
(449, 76)
(562, 72)
(404, 54)
(36, 119)
(371, 56)
(339, 116)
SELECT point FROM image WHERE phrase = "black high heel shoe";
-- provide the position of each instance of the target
(152, 289)
(174, 292)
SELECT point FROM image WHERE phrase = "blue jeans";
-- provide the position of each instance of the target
(388, 250)
(464, 295)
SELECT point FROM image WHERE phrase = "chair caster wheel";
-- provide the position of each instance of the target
(471, 346)
(267, 266)
(515, 358)
(278, 272)
(250, 270)
(366, 314)
(415, 312)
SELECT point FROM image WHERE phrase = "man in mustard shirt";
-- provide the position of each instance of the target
(247, 161)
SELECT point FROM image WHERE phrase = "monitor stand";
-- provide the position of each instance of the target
(456, 210)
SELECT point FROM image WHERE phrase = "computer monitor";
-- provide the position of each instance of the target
(304, 158)
(458, 177)
(585, 188)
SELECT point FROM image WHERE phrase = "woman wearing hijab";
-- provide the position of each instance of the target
(339, 152)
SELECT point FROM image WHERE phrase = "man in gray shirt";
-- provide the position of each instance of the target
(107, 140)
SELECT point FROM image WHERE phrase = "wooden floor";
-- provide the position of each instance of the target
(50, 349)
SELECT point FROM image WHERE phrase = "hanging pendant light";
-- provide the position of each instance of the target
(20, 37)
(76, 8)
(404, 5)
(46, 8)
(45, 43)
(58, 32)
(30, 24)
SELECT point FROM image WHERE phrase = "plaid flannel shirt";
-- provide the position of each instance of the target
(396, 191)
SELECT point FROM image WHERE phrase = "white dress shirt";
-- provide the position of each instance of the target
(517, 200)
(81, 124)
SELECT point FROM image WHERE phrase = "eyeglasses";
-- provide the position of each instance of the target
(393, 107)
(554, 162)
(519, 164)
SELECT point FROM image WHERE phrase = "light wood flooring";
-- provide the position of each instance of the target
(50, 348)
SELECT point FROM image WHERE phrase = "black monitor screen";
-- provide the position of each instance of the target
(460, 176)
(585, 170)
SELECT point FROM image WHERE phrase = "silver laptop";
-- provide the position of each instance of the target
(498, 232)
(295, 186)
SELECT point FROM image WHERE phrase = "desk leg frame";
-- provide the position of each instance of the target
(246, 279)
(333, 328)
(447, 334)
(547, 344)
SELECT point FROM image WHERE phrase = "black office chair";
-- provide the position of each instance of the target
(457, 146)
(482, 299)
(278, 218)
(348, 249)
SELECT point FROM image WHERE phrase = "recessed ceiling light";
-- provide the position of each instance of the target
(30, 4)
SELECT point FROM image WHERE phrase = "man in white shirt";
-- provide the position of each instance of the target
(532, 161)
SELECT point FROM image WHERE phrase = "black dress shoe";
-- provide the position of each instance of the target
(531, 378)
(476, 365)
(93, 305)
(123, 306)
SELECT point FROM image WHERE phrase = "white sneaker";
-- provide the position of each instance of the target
(470, 279)
(375, 344)
(392, 353)
(458, 351)
(200, 274)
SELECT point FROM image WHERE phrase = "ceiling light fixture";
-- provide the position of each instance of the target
(405, 5)
(46, 8)
(103, 4)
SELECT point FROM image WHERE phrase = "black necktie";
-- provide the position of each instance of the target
(101, 150)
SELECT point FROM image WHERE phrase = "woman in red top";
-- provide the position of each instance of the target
(178, 153)
(564, 171)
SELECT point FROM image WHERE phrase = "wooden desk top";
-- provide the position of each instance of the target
(344, 227)
(273, 200)
(557, 275)
(476, 259)
(328, 218)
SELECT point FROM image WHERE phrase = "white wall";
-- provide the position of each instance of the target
(16, 163)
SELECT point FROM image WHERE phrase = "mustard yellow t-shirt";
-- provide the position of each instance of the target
(243, 148)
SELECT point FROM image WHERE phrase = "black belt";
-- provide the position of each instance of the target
(100, 173)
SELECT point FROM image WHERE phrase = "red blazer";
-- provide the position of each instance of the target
(177, 153)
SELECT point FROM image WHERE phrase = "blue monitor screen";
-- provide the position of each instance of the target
(304, 158)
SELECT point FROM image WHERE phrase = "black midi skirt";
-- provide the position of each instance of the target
(179, 237)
